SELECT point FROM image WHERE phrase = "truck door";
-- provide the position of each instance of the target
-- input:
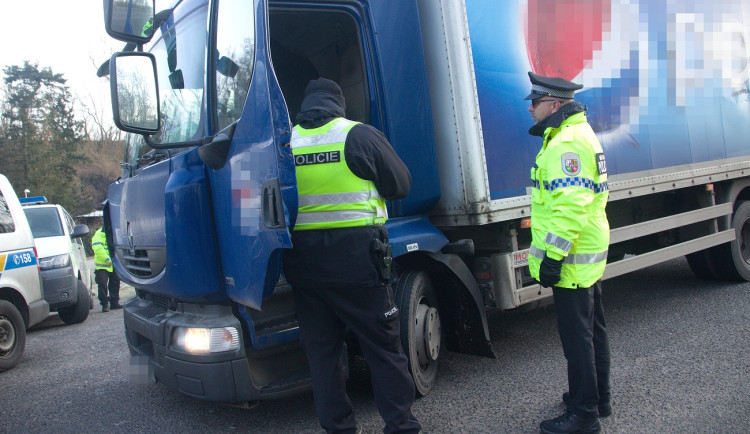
(254, 192)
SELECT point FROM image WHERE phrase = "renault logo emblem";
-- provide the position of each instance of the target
(130, 240)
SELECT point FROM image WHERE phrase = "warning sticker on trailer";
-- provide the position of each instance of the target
(520, 258)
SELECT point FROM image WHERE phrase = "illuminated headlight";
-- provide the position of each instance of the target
(52, 262)
(204, 341)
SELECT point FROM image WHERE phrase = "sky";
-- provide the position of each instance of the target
(66, 35)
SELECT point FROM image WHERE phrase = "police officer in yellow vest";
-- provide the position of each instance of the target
(570, 238)
(339, 267)
(107, 280)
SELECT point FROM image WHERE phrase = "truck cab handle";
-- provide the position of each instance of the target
(272, 206)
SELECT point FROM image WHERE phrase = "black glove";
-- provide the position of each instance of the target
(549, 271)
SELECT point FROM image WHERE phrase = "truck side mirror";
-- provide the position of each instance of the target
(135, 92)
(129, 20)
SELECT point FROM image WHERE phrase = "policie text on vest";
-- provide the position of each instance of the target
(317, 158)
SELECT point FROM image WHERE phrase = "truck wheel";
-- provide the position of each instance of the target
(700, 265)
(12, 335)
(731, 261)
(79, 311)
(421, 336)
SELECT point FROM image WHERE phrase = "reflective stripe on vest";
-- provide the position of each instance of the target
(559, 242)
(336, 134)
(330, 195)
(572, 181)
(573, 258)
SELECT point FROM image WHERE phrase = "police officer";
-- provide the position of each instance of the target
(570, 238)
(340, 264)
(107, 280)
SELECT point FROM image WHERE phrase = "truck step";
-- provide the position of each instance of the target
(276, 324)
(293, 380)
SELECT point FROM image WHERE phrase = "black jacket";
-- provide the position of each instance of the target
(343, 257)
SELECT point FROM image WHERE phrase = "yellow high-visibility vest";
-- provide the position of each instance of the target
(330, 195)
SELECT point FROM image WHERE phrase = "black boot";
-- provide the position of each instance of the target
(605, 408)
(105, 307)
(569, 423)
(114, 302)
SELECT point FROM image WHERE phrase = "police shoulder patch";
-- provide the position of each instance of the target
(571, 163)
(601, 163)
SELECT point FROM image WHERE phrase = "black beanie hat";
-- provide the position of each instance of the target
(321, 93)
(324, 85)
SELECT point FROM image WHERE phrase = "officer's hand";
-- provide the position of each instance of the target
(549, 271)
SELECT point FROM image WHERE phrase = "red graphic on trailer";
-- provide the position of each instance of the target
(562, 36)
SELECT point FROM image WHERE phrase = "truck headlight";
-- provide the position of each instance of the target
(52, 262)
(203, 341)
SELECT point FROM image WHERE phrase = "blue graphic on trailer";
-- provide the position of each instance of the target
(666, 83)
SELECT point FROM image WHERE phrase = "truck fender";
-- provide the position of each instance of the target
(466, 328)
(737, 190)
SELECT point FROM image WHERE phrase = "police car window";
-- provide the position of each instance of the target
(6, 220)
(180, 57)
(69, 221)
(233, 58)
(44, 222)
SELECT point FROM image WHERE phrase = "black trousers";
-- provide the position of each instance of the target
(583, 333)
(108, 286)
(324, 315)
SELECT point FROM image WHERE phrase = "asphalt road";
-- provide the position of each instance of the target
(681, 363)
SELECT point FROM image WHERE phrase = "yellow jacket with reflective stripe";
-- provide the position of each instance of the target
(101, 254)
(568, 200)
(330, 195)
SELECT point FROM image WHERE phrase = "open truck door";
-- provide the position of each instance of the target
(215, 99)
(253, 216)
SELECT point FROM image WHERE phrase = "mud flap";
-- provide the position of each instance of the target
(466, 330)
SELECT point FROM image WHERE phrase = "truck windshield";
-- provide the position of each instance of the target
(180, 52)
(180, 58)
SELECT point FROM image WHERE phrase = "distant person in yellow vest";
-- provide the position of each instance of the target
(339, 267)
(107, 280)
(569, 243)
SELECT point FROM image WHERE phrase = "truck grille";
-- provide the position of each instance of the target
(138, 264)
(143, 263)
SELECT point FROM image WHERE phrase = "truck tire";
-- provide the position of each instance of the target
(700, 265)
(79, 311)
(731, 261)
(12, 335)
(421, 336)
(91, 297)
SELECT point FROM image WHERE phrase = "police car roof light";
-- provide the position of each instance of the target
(34, 200)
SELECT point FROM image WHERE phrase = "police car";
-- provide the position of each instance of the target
(21, 302)
(66, 277)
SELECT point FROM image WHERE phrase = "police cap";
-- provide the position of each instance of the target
(551, 86)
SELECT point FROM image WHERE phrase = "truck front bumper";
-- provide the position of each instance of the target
(222, 377)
